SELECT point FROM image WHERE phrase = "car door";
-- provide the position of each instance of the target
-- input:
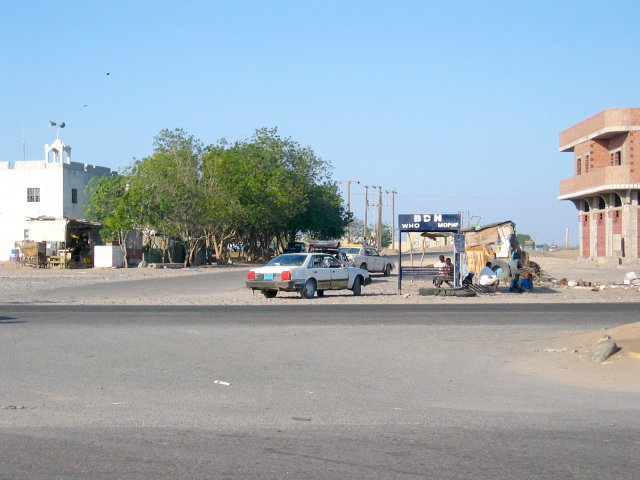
(339, 274)
(371, 260)
(378, 261)
(321, 272)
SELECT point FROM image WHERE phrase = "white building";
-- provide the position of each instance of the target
(38, 198)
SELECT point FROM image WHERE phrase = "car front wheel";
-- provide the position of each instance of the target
(357, 287)
(387, 270)
(309, 289)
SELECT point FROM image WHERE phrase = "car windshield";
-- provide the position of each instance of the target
(289, 260)
(350, 250)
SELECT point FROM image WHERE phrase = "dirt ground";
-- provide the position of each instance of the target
(563, 360)
(33, 285)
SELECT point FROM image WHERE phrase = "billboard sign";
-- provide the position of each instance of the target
(430, 222)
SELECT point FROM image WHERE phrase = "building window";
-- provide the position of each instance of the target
(616, 158)
(579, 166)
(74, 195)
(33, 194)
(617, 201)
(586, 164)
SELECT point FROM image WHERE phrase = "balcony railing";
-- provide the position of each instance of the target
(599, 179)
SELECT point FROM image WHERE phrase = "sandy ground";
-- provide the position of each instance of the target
(32, 285)
(564, 359)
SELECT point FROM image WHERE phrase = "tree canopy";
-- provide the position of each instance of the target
(258, 192)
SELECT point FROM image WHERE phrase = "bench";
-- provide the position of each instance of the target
(419, 273)
(425, 273)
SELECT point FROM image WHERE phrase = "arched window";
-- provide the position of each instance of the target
(585, 206)
(617, 201)
(601, 203)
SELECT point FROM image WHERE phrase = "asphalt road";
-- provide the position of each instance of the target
(325, 392)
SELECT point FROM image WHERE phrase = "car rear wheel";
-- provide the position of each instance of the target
(269, 293)
(309, 289)
(363, 266)
(387, 270)
(357, 287)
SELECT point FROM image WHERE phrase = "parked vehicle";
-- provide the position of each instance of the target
(330, 247)
(306, 273)
(295, 247)
(368, 258)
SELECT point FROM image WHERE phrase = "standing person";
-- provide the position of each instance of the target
(514, 263)
(488, 277)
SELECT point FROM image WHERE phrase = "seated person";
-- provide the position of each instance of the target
(447, 272)
(440, 265)
(514, 285)
(488, 277)
(526, 284)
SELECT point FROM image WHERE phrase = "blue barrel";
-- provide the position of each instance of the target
(14, 255)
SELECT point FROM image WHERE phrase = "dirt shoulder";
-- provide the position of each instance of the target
(565, 360)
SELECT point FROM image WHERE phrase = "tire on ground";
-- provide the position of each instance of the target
(309, 289)
(357, 286)
(387, 270)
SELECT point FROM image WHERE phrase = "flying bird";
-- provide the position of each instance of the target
(107, 73)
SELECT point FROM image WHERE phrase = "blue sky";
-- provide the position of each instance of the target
(456, 106)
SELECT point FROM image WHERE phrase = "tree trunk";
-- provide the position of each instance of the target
(122, 239)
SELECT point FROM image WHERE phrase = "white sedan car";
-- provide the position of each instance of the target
(306, 273)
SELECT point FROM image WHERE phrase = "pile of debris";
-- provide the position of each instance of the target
(631, 279)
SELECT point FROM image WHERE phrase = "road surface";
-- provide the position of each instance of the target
(328, 392)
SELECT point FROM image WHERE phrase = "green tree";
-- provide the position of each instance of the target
(169, 190)
(111, 204)
(224, 213)
(387, 236)
(260, 191)
(523, 238)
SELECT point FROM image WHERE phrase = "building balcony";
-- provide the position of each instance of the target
(599, 180)
(608, 123)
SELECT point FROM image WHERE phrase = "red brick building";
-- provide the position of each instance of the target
(605, 186)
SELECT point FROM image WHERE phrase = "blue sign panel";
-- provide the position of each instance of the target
(430, 222)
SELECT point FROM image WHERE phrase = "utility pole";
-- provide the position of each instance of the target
(379, 232)
(366, 209)
(349, 182)
(393, 219)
